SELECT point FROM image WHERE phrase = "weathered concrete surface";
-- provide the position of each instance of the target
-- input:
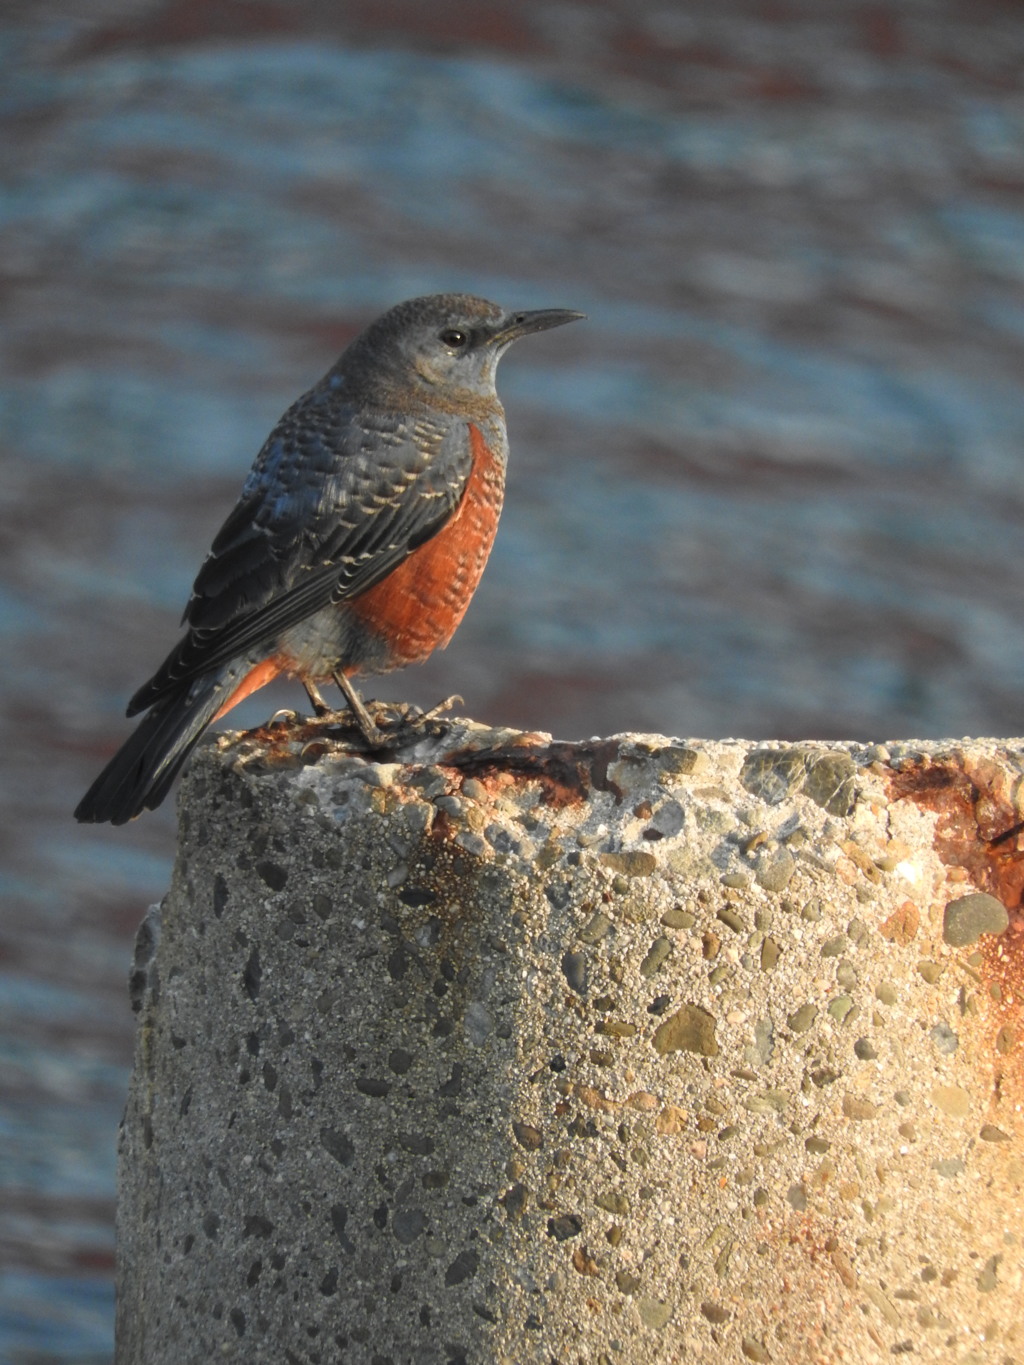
(616, 1052)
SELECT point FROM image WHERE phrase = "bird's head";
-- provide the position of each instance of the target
(447, 346)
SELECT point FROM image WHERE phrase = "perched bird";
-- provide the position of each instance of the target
(357, 542)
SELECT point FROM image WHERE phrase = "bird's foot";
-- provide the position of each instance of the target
(382, 725)
(411, 721)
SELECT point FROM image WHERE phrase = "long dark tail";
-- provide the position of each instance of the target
(140, 774)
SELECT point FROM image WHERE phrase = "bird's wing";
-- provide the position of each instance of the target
(331, 506)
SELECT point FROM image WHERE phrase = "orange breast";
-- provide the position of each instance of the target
(418, 607)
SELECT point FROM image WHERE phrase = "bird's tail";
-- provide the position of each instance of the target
(140, 774)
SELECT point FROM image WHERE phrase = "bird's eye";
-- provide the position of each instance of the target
(452, 337)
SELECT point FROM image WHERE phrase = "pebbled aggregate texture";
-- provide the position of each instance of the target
(632, 1050)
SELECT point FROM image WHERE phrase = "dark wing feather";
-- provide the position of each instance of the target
(331, 506)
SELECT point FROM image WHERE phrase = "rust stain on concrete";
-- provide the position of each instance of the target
(979, 829)
(567, 773)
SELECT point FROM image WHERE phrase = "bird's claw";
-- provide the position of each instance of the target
(284, 716)
(442, 706)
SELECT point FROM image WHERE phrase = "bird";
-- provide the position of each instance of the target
(359, 537)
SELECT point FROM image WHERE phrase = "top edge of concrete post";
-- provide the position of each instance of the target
(631, 1050)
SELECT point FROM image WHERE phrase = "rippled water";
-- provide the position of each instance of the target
(774, 486)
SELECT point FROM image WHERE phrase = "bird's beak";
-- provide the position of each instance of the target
(521, 324)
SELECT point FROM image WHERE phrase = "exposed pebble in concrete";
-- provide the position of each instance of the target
(574, 969)
(658, 953)
(990, 1133)
(841, 1008)
(690, 1029)
(528, 1136)
(945, 1040)
(678, 918)
(802, 1019)
(775, 871)
(654, 1313)
(951, 1099)
(968, 917)
(596, 928)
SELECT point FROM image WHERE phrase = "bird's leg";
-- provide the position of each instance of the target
(374, 737)
(320, 707)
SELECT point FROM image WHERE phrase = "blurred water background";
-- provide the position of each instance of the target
(774, 486)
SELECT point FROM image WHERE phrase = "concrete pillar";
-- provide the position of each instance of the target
(626, 1051)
